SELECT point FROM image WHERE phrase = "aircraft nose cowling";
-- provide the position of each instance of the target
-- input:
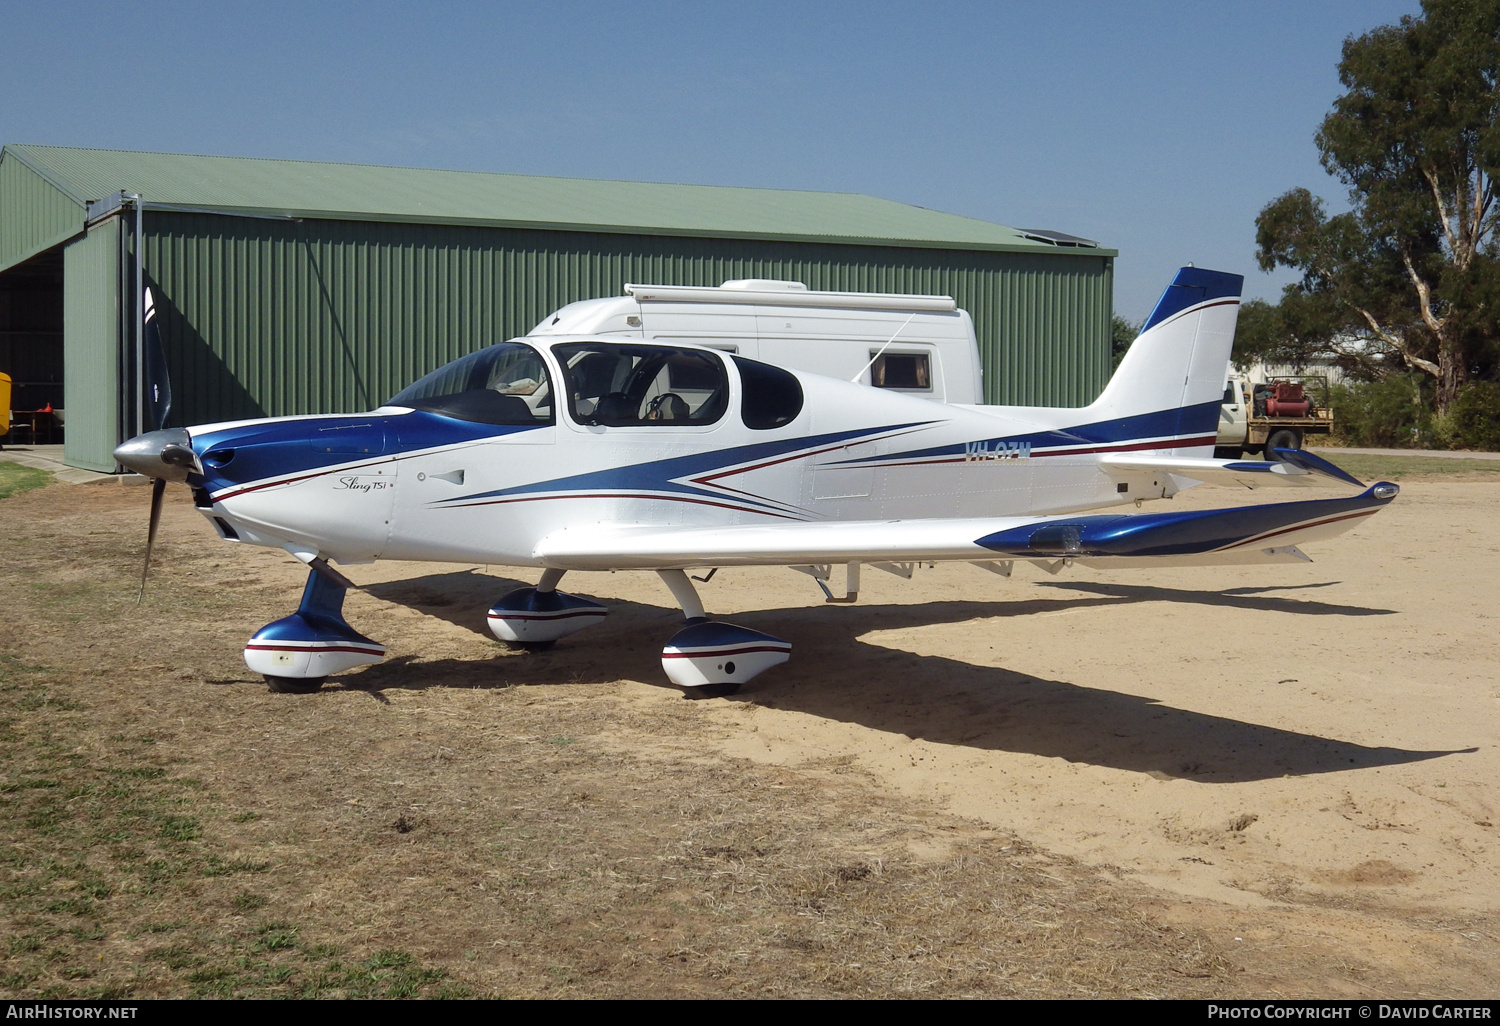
(166, 454)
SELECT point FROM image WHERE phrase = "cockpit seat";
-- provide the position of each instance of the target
(668, 406)
(616, 408)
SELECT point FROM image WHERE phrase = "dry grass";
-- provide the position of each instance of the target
(444, 825)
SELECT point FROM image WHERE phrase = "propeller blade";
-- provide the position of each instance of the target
(158, 489)
(158, 384)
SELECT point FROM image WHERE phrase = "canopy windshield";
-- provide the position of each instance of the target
(503, 384)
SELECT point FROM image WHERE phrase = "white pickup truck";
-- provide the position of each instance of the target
(1264, 418)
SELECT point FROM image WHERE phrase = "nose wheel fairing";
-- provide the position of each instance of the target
(314, 641)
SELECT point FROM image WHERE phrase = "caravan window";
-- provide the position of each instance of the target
(906, 371)
(617, 385)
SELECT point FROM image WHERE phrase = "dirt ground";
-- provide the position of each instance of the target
(1278, 781)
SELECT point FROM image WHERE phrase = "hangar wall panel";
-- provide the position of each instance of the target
(91, 346)
(36, 216)
(271, 316)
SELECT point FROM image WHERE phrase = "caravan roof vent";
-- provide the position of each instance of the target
(764, 285)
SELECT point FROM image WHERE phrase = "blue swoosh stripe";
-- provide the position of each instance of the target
(1202, 419)
(661, 475)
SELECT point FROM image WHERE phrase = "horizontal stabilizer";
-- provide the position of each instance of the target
(1317, 465)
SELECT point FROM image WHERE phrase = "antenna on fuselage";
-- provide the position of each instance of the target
(879, 352)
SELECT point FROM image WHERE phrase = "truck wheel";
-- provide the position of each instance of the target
(1282, 439)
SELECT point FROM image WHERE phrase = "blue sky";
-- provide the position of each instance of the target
(1159, 129)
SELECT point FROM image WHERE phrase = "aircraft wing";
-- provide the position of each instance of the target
(1296, 467)
(1244, 534)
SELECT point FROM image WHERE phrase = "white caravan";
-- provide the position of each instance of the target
(920, 345)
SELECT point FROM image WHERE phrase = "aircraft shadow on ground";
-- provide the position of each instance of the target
(462, 597)
(835, 675)
(1235, 598)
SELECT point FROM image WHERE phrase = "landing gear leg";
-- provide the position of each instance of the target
(298, 652)
(708, 658)
(682, 590)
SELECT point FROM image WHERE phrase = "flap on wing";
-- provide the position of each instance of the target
(1296, 468)
(601, 547)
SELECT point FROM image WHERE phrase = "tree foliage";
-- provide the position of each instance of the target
(1409, 277)
(1387, 414)
(1122, 332)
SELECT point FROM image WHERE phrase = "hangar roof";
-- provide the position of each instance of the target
(298, 188)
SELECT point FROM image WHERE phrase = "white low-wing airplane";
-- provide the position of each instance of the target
(577, 453)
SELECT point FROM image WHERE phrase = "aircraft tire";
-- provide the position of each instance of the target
(294, 685)
(530, 646)
(711, 691)
(1282, 439)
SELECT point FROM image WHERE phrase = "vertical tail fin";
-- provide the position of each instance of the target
(1174, 370)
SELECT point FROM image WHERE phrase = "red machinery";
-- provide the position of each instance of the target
(1286, 400)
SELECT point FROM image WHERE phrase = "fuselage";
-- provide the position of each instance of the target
(602, 432)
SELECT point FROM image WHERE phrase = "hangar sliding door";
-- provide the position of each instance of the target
(91, 346)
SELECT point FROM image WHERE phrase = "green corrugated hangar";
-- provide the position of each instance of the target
(290, 287)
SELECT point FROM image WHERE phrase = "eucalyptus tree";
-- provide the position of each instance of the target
(1411, 269)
